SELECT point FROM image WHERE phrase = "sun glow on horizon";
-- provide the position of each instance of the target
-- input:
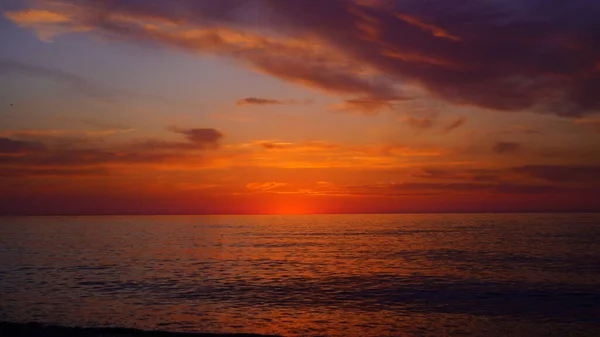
(290, 207)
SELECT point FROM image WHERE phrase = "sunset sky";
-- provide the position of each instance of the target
(299, 106)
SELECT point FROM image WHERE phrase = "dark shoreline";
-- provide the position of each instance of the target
(8, 329)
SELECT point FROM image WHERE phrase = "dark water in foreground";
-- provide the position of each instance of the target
(335, 275)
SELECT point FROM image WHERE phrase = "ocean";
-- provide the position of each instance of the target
(307, 275)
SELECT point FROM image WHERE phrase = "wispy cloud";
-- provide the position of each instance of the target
(102, 124)
(14, 146)
(81, 85)
(589, 122)
(562, 173)
(74, 82)
(434, 188)
(368, 105)
(265, 186)
(506, 147)
(521, 129)
(420, 122)
(454, 124)
(269, 101)
(39, 134)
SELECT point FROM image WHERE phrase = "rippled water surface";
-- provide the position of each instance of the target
(334, 275)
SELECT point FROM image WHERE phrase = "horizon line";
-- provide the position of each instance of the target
(296, 214)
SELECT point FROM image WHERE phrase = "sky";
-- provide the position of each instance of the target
(298, 106)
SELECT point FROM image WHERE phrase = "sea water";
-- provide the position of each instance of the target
(307, 275)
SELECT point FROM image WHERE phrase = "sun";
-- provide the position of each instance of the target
(290, 207)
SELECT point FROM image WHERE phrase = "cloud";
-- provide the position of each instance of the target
(587, 121)
(506, 178)
(39, 155)
(203, 138)
(520, 129)
(102, 124)
(306, 147)
(421, 114)
(430, 181)
(367, 105)
(433, 30)
(562, 173)
(506, 147)
(572, 175)
(467, 55)
(258, 101)
(463, 174)
(64, 171)
(324, 154)
(300, 60)
(267, 101)
(75, 83)
(434, 188)
(48, 152)
(12, 146)
(80, 85)
(276, 145)
(34, 17)
(62, 139)
(46, 23)
(263, 187)
(455, 124)
(53, 134)
(197, 139)
(86, 157)
(497, 188)
(590, 122)
(423, 122)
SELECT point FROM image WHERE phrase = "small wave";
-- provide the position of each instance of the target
(42, 330)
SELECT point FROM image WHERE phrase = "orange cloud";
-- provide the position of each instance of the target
(263, 187)
(312, 146)
(50, 153)
(588, 121)
(32, 17)
(46, 23)
(332, 175)
(416, 58)
(434, 30)
(321, 154)
(423, 122)
(367, 105)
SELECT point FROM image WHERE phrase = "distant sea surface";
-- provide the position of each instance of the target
(312, 275)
